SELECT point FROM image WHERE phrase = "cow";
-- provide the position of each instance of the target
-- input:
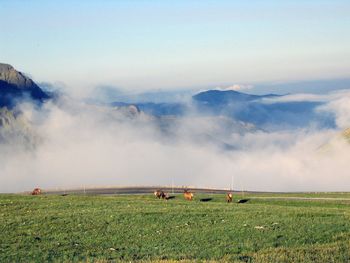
(188, 195)
(229, 197)
(159, 194)
(36, 191)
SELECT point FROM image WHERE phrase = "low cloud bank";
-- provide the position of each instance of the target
(236, 87)
(87, 145)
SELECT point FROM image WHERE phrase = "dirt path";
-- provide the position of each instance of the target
(150, 190)
(301, 198)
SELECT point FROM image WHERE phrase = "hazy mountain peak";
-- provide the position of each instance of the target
(14, 77)
(14, 85)
(4, 67)
(223, 96)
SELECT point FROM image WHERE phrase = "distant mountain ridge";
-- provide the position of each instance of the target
(222, 97)
(261, 110)
(257, 110)
(14, 85)
(227, 96)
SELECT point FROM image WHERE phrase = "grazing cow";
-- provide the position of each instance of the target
(36, 191)
(159, 194)
(188, 195)
(229, 197)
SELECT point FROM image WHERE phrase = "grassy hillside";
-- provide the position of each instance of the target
(139, 227)
(346, 134)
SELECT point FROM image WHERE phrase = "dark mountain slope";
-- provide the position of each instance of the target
(14, 86)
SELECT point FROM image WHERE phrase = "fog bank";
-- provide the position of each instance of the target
(81, 144)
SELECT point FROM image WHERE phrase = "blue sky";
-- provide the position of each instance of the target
(176, 44)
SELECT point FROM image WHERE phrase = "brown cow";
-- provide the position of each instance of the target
(229, 197)
(188, 195)
(159, 194)
(36, 191)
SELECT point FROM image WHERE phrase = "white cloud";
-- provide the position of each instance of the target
(340, 107)
(236, 87)
(96, 146)
(300, 97)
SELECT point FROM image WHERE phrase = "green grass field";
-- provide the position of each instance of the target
(140, 227)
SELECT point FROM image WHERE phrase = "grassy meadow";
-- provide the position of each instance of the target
(142, 228)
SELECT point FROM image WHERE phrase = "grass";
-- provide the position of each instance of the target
(139, 227)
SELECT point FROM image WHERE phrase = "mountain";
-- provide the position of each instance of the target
(15, 86)
(227, 96)
(267, 112)
(15, 130)
(215, 97)
(264, 111)
(156, 109)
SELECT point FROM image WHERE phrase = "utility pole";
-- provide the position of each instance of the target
(172, 185)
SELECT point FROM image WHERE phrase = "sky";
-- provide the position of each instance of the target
(164, 44)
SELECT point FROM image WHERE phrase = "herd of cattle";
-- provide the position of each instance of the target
(161, 195)
(187, 195)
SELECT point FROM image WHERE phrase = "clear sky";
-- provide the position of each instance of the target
(169, 44)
